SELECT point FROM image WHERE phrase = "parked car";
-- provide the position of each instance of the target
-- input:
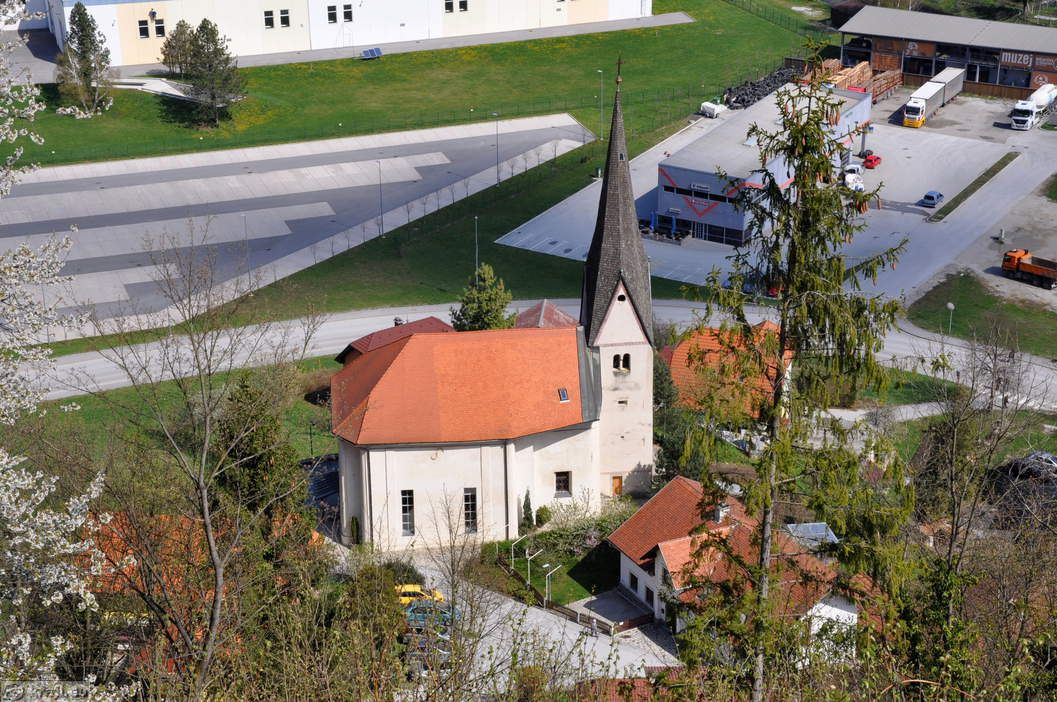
(427, 652)
(410, 592)
(853, 169)
(853, 181)
(932, 198)
(872, 161)
(430, 614)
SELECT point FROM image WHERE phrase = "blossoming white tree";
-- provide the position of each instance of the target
(45, 557)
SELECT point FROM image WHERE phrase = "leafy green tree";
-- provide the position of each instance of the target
(213, 73)
(176, 51)
(483, 303)
(796, 234)
(83, 70)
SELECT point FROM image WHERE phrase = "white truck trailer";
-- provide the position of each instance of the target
(931, 96)
(1028, 113)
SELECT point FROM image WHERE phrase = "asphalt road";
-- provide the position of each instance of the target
(78, 374)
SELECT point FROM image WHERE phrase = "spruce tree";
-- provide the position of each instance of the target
(213, 73)
(483, 303)
(832, 329)
(176, 51)
(83, 70)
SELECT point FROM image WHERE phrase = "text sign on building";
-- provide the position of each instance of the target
(1020, 59)
(925, 49)
(1045, 62)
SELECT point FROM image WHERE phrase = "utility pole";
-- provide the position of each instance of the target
(601, 109)
(496, 115)
(381, 212)
(476, 251)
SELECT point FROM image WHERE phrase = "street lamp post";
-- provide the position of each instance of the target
(950, 317)
(528, 565)
(476, 250)
(381, 212)
(514, 543)
(496, 115)
(601, 109)
(547, 597)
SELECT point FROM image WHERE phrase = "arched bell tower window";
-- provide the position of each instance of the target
(625, 362)
(616, 361)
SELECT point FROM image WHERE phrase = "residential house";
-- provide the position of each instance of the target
(666, 558)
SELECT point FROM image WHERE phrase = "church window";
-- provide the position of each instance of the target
(563, 395)
(469, 510)
(625, 362)
(616, 361)
(407, 511)
(563, 484)
(622, 297)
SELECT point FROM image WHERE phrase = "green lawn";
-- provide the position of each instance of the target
(978, 183)
(667, 71)
(907, 437)
(1051, 188)
(906, 388)
(597, 572)
(976, 310)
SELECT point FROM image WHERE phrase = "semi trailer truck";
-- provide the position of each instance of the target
(933, 95)
(1028, 113)
(1023, 265)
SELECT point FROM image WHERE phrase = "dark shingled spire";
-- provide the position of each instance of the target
(616, 252)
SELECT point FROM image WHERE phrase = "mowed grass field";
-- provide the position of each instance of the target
(978, 311)
(665, 69)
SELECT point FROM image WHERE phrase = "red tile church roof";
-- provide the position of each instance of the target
(388, 335)
(463, 387)
(545, 315)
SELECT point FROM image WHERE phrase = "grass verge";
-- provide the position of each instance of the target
(972, 187)
(906, 388)
(977, 311)
(596, 572)
(1051, 188)
(907, 437)
(667, 68)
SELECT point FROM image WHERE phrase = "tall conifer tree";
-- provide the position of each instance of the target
(84, 65)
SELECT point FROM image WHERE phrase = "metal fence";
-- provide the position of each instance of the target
(771, 14)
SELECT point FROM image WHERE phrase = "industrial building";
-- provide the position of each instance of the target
(1000, 58)
(135, 30)
(697, 187)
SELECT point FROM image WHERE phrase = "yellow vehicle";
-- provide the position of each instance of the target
(415, 593)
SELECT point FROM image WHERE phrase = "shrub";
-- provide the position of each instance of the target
(543, 515)
(404, 572)
(526, 514)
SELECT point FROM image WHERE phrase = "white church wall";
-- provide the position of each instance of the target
(542, 456)
(626, 418)
(436, 477)
(352, 494)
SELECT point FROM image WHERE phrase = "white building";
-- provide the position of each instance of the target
(446, 433)
(135, 29)
(665, 560)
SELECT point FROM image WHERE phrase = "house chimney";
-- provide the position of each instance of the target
(720, 512)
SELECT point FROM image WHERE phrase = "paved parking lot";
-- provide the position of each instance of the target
(264, 212)
(961, 141)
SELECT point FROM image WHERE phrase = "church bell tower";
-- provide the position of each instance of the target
(616, 312)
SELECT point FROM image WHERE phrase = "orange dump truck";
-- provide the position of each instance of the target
(1020, 264)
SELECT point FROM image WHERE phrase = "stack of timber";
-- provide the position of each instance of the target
(884, 83)
(857, 76)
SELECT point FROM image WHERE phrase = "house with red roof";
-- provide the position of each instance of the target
(679, 543)
(443, 433)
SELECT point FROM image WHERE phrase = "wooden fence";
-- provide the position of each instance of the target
(586, 620)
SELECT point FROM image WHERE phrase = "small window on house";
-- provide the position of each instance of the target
(649, 597)
(332, 14)
(159, 28)
(407, 512)
(347, 9)
(464, 5)
(449, 5)
(625, 362)
(563, 395)
(144, 29)
(284, 18)
(269, 19)
(563, 483)
(469, 510)
(633, 583)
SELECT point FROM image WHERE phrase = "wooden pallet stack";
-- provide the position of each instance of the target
(857, 76)
(884, 83)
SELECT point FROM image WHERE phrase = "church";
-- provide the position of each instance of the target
(444, 433)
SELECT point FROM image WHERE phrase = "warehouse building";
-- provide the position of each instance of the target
(1000, 58)
(698, 186)
(135, 30)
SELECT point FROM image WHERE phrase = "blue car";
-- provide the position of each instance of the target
(932, 198)
(431, 614)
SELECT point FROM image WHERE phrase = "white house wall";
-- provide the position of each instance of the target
(373, 21)
(645, 580)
